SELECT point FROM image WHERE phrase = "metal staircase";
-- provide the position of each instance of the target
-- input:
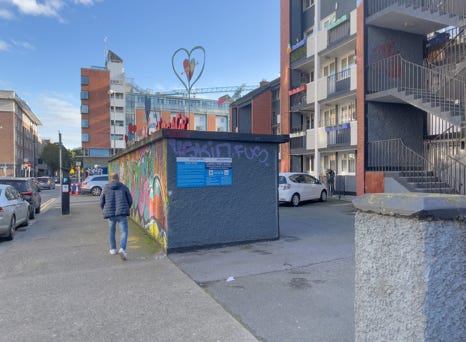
(426, 89)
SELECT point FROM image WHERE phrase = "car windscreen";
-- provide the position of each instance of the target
(43, 180)
(18, 185)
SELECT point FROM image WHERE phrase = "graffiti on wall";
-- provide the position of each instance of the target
(382, 51)
(144, 172)
(186, 148)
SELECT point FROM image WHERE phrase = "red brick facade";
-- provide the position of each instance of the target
(99, 106)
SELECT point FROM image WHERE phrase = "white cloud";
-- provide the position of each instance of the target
(48, 8)
(57, 114)
(4, 46)
(25, 45)
(5, 14)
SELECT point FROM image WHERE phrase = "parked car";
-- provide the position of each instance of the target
(94, 184)
(46, 183)
(14, 211)
(295, 187)
(29, 190)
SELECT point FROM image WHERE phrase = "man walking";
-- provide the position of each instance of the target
(115, 202)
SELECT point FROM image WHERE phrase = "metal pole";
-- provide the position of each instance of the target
(59, 151)
(316, 100)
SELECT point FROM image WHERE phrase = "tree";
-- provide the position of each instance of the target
(51, 156)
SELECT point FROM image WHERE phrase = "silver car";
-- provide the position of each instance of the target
(94, 184)
(294, 187)
(14, 211)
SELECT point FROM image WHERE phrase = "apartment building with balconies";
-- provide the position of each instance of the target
(318, 88)
(19, 137)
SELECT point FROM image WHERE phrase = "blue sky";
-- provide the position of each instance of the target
(44, 44)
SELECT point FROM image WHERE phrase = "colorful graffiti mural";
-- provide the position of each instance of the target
(144, 172)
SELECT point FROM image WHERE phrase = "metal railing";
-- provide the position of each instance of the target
(433, 87)
(446, 49)
(339, 137)
(442, 7)
(338, 33)
(448, 175)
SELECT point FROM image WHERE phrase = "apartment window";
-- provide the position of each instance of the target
(84, 109)
(199, 122)
(84, 95)
(85, 123)
(347, 113)
(329, 118)
(346, 63)
(307, 4)
(329, 69)
(348, 162)
(85, 80)
(221, 123)
(85, 137)
(116, 137)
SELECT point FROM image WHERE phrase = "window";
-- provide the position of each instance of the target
(85, 137)
(347, 113)
(85, 123)
(329, 118)
(99, 152)
(221, 123)
(84, 80)
(348, 162)
(199, 122)
(84, 109)
(84, 95)
(307, 4)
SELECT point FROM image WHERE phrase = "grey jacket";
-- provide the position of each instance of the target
(115, 200)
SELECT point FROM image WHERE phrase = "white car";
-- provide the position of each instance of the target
(94, 184)
(14, 211)
(295, 187)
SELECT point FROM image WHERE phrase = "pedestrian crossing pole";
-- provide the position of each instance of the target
(65, 184)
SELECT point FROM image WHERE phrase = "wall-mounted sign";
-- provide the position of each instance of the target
(192, 172)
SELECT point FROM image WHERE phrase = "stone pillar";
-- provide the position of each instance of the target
(410, 267)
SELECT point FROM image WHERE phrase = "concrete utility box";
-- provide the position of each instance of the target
(196, 189)
(410, 274)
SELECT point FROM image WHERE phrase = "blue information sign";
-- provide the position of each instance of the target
(192, 172)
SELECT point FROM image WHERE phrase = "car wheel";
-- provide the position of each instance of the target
(323, 196)
(95, 191)
(38, 209)
(12, 229)
(26, 223)
(32, 213)
(295, 200)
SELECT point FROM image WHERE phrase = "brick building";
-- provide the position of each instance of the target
(19, 139)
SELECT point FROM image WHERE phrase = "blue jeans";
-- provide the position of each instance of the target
(123, 224)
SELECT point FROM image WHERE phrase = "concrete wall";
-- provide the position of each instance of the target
(391, 121)
(410, 281)
(183, 217)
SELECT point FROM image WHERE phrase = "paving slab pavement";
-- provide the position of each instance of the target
(59, 283)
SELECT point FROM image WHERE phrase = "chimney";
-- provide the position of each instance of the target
(263, 83)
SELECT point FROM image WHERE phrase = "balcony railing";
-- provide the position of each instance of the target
(340, 136)
(448, 7)
(339, 33)
(339, 83)
(298, 143)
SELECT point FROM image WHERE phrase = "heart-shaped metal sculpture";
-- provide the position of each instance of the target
(189, 65)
